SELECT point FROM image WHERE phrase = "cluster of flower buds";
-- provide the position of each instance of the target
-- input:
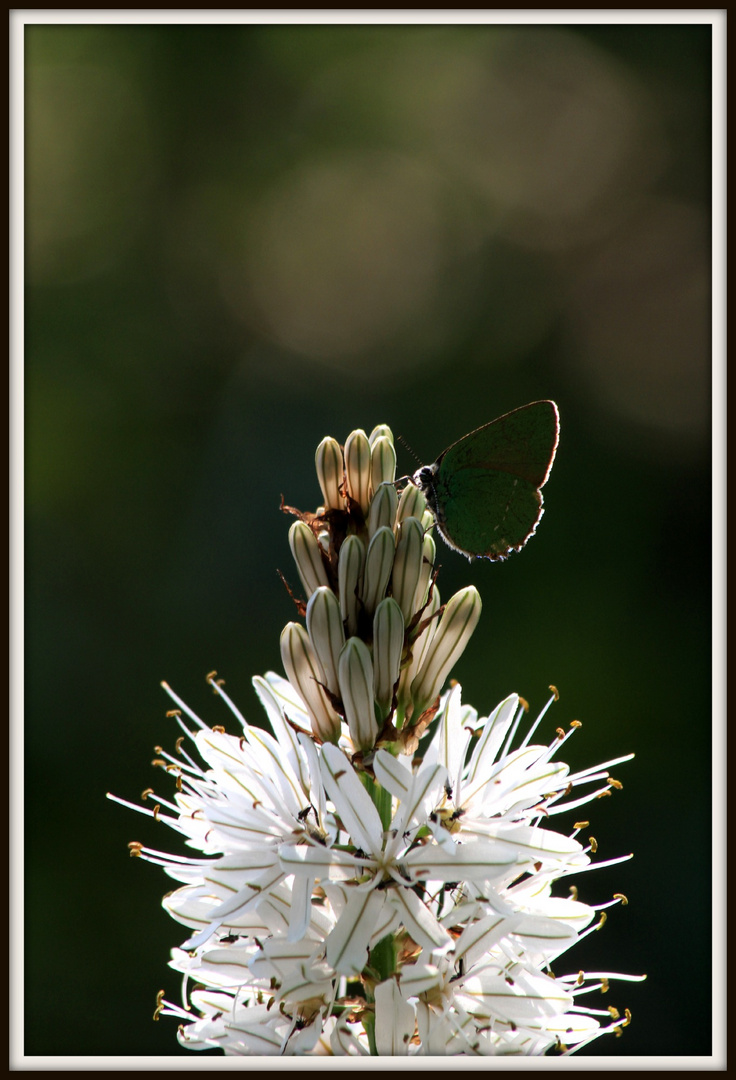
(378, 644)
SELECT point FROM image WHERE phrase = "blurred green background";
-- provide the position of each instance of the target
(240, 239)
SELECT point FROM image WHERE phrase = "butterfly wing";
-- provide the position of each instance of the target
(487, 484)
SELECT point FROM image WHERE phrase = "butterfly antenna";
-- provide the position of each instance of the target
(406, 446)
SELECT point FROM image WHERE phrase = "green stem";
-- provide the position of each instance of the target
(381, 799)
(382, 959)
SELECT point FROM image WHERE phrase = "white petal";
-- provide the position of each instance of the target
(450, 742)
(530, 842)
(301, 906)
(480, 936)
(395, 1020)
(351, 800)
(273, 703)
(519, 998)
(315, 860)
(419, 921)
(418, 978)
(474, 861)
(485, 752)
(346, 948)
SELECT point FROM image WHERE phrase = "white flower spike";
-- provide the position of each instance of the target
(347, 891)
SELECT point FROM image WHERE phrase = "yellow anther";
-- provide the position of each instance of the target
(218, 729)
(604, 793)
(524, 703)
(620, 896)
(178, 782)
(178, 743)
(627, 1021)
(174, 712)
(581, 825)
(560, 733)
(604, 985)
(573, 892)
(135, 847)
(615, 783)
(581, 978)
(159, 1004)
(210, 676)
(159, 761)
(615, 1014)
(617, 1032)
(602, 921)
(158, 749)
(220, 682)
(555, 691)
(146, 793)
(156, 809)
(575, 723)
(568, 789)
(593, 844)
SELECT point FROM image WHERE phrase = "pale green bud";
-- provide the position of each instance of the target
(378, 565)
(358, 468)
(429, 555)
(412, 503)
(307, 556)
(408, 566)
(419, 647)
(350, 577)
(355, 672)
(383, 508)
(381, 431)
(388, 644)
(383, 463)
(328, 460)
(325, 629)
(457, 623)
(305, 674)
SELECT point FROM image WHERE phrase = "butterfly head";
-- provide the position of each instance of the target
(424, 478)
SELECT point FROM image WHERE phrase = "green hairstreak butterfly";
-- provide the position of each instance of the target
(484, 490)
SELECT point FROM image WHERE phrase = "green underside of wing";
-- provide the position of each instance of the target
(521, 443)
(488, 513)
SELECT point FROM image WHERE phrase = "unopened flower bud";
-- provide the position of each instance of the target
(350, 577)
(457, 623)
(412, 503)
(388, 644)
(383, 462)
(355, 671)
(429, 555)
(358, 468)
(305, 674)
(408, 566)
(384, 504)
(419, 647)
(325, 629)
(328, 460)
(381, 431)
(378, 565)
(307, 556)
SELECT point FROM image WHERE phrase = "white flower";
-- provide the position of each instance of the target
(366, 883)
